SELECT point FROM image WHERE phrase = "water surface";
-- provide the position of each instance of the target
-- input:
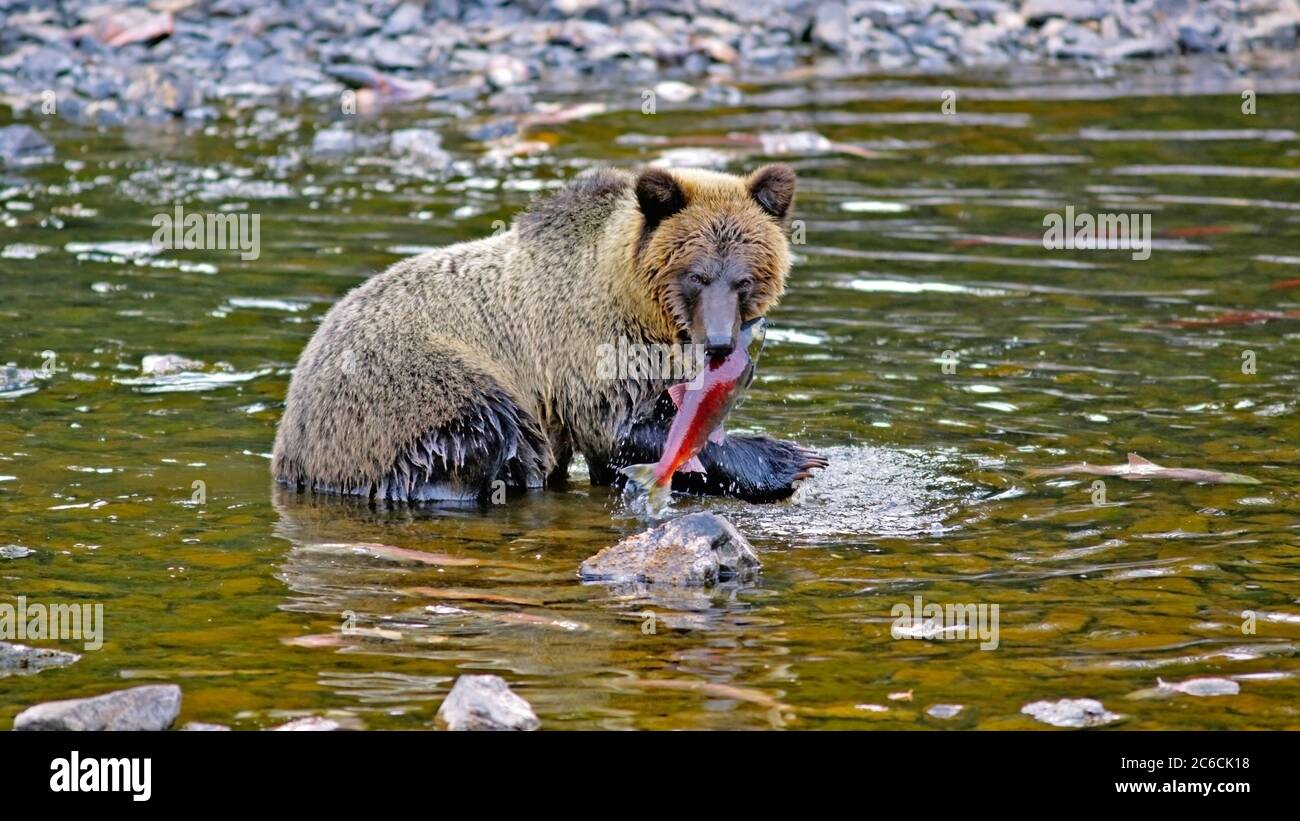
(932, 247)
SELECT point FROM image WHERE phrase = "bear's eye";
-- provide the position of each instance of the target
(743, 284)
(699, 279)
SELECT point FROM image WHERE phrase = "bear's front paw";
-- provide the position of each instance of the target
(762, 469)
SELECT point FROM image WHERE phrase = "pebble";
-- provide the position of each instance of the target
(485, 703)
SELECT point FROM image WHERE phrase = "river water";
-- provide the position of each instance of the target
(151, 495)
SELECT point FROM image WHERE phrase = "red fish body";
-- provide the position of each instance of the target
(702, 405)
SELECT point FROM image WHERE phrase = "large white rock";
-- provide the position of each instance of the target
(696, 549)
(485, 703)
(152, 707)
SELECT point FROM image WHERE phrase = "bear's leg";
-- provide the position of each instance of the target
(753, 468)
(492, 446)
(391, 414)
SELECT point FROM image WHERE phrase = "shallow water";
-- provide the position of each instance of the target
(935, 246)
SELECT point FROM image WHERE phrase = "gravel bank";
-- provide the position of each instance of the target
(106, 63)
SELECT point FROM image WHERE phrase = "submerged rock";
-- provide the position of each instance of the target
(16, 381)
(944, 710)
(696, 549)
(21, 660)
(14, 551)
(420, 145)
(1071, 712)
(159, 364)
(339, 140)
(310, 724)
(485, 703)
(152, 707)
(203, 727)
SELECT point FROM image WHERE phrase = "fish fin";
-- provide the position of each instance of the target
(644, 477)
(1239, 479)
(677, 393)
(693, 466)
(718, 436)
(1135, 461)
(659, 496)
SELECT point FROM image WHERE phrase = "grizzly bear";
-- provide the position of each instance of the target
(473, 368)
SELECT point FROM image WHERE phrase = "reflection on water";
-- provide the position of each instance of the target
(929, 345)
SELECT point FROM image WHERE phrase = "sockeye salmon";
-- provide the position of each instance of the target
(1138, 468)
(702, 404)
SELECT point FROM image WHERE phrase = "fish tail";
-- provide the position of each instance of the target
(644, 476)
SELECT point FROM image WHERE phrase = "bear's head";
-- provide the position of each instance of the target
(714, 247)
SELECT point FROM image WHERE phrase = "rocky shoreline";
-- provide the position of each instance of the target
(105, 63)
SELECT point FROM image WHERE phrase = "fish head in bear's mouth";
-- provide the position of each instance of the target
(717, 296)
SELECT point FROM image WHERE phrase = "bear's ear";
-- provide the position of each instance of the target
(772, 187)
(659, 196)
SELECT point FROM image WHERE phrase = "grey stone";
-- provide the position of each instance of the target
(151, 707)
(1075, 43)
(391, 54)
(504, 70)
(14, 551)
(485, 703)
(47, 63)
(23, 145)
(21, 660)
(404, 20)
(832, 26)
(1036, 11)
(891, 14)
(696, 549)
(1277, 30)
(1153, 46)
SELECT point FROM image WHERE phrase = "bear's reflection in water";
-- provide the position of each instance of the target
(412, 596)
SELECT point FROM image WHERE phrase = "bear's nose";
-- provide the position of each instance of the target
(719, 347)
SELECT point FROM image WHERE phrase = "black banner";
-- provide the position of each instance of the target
(181, 770)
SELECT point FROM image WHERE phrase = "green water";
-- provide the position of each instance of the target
(1062, 356)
